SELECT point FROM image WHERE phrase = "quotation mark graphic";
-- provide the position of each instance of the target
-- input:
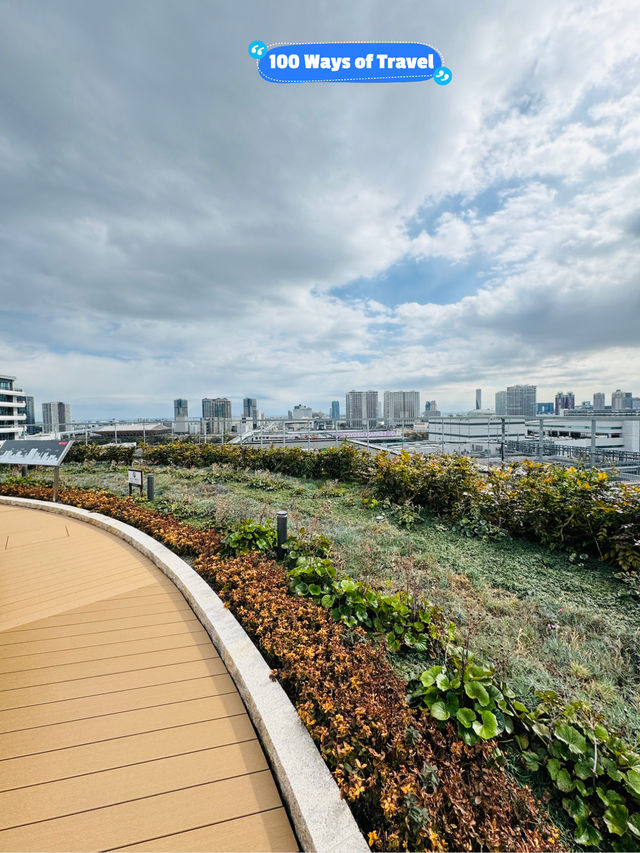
(442, 76)
(257, 49)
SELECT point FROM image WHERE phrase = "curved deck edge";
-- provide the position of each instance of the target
(321, 818)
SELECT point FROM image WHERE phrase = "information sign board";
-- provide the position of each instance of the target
(33, 452)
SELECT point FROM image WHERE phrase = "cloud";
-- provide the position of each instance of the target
(176, 226)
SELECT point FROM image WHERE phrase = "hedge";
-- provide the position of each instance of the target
(575, 509)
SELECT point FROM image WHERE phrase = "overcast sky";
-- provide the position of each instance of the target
(175, 226)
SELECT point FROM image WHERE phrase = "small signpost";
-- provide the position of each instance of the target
(135, 479)
(33, 452)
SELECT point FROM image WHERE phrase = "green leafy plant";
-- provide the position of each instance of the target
(249, 536)
(595, 772)
(403, 622)
(405, 514)
(463, 690)
(305, 544)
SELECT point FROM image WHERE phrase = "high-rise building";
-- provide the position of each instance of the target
(217, 407)
(56, 416)
(545, 408)
(501, 402)
(300, 412)
(521, 400)
(30, 410)
(12, 409)
(335, 410)
(598, 400)
(431, 408)
(181, 416)
(400, 406)
(362, 409)
(478, 399)
(564, 401)
(621, 400)
(180, 409)
(250, 410)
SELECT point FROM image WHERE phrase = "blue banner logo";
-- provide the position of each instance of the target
(349, 62)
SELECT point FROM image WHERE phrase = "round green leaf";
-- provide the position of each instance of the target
(572, 737)
(576, 806)
(428, 677)
(616, 819)
(633, 780)
(563, 781)
(634, 823)
(466, 716)
(554, 767)
(475, 690)
(442, 681)
(488, 728)
(439, 711)
(587, 834)
(583, 769)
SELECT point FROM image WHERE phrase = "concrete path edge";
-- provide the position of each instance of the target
(321, 818)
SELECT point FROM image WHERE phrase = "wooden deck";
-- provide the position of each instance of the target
(120, 727)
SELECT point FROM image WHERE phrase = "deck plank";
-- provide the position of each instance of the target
(120, 727)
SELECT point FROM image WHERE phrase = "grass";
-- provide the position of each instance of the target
(545, 619)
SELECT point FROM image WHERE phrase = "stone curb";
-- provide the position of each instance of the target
(322, 820)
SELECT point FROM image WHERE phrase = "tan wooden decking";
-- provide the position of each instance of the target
(120, 727)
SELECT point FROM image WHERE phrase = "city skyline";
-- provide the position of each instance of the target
(229, 406)
(192, 227)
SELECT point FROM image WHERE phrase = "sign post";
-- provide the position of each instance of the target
(135, 479)
(27, 452)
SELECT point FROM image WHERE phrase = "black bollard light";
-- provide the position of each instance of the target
(151, 487)
(282, 532)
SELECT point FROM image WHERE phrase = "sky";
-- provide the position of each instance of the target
(172, 225)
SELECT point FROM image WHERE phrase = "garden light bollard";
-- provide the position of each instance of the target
(56, 482)
(25, 470)
(282, 532)
(151, 487)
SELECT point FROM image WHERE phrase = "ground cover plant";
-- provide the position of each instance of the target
(545, 619)
(411, 783)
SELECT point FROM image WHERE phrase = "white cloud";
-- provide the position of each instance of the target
(165, 205)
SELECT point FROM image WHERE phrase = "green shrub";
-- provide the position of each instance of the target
(463, 690)
(576, 509)
(304, 544)
(249, 536)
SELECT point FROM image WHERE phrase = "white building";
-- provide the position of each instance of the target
(479, 433)
(400, 407)
(521, 400)
(614, 432)
(300, 413)
(621, 400)
(56, 417)
(362, 409)
(12, 409)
